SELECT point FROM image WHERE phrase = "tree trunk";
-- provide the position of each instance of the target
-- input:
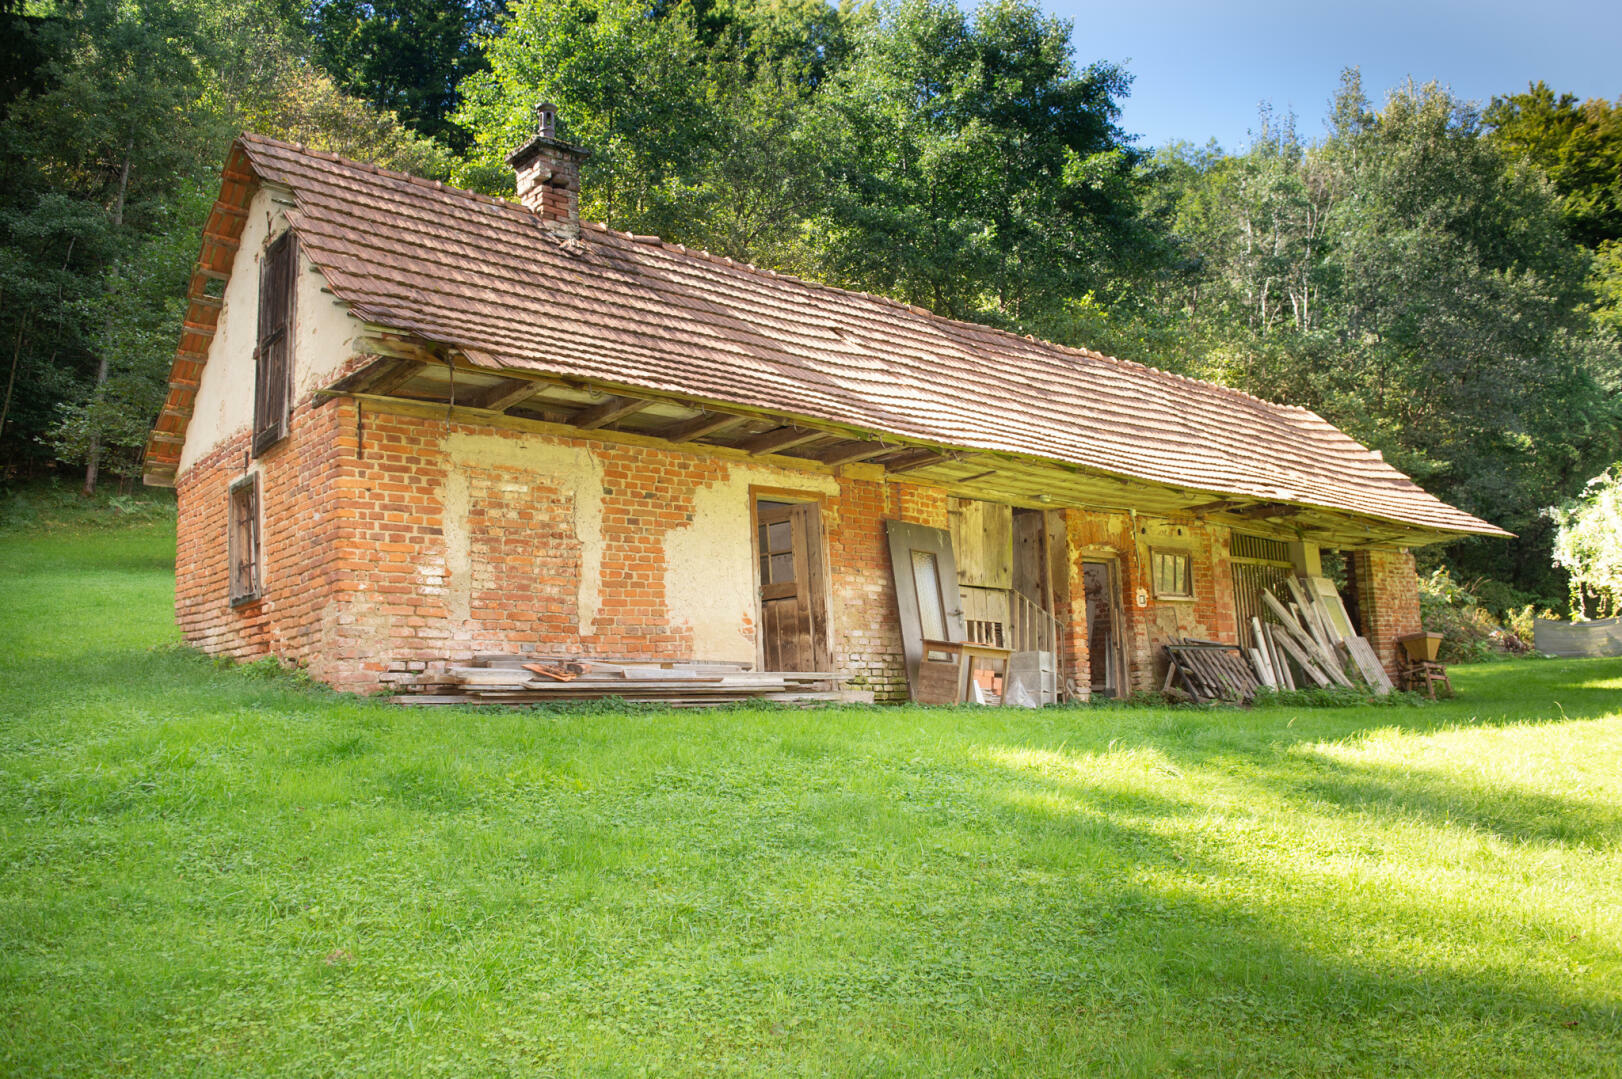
(93, 457)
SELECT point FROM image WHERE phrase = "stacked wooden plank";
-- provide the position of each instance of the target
(1311, 642)
(505, 678)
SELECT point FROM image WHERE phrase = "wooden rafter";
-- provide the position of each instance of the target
(506, 394)
(705, 423)
(847, 452)
(914, 460)
(779, 440)
(395, 377)
(600, 415)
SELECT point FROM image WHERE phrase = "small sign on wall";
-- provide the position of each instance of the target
(1143, 597)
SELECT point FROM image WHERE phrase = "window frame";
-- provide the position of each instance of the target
(243, 524)
(273, 345)
(1187, 557)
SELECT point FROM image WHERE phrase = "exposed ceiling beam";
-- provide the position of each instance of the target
(504, 395)
(845, 453)
(914, 460)
(779, 440)
(395, 377)
(607, 412)
(705, 423)
(1267, 509)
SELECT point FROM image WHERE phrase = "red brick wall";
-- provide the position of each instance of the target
(301, 538)
(1387, 600)
(359, 578)
(1208, 616)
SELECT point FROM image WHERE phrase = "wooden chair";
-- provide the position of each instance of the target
(1424, 674)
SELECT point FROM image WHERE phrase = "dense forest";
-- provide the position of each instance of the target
(1441, 278)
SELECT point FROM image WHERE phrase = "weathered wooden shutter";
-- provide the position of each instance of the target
(273, 381)
(242, 540)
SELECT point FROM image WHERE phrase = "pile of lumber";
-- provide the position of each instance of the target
(1311, 643)
(505, 678)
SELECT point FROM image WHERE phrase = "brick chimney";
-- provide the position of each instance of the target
(549, 175)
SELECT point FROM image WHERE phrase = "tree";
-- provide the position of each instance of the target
(405, 57)
(1577, 146)
(1588, 544)
(974, 167)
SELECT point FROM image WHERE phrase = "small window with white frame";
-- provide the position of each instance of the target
(1173, 574)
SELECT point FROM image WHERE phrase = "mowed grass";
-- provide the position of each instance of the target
(214, 871)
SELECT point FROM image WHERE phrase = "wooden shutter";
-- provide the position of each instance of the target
(242, 540)
(273, 381)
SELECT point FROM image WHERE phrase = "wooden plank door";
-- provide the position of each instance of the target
(927, 596)
(793, 604)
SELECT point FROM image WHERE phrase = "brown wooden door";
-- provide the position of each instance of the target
(793, 606)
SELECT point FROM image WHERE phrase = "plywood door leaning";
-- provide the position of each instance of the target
(793, 603)
(927, 596)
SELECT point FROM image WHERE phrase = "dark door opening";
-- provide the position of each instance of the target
(1104, 643)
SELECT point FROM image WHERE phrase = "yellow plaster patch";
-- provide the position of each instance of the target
(709, 564)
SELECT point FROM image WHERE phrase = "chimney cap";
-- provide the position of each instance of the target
(546, 138)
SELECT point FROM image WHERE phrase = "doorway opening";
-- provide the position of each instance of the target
(1106, 651)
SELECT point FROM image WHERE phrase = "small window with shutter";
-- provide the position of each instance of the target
(242, 541)
(273, 358)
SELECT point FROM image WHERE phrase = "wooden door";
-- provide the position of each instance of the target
(927, 596)
(793, 604)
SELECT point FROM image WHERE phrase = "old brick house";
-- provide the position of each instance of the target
(407, 422)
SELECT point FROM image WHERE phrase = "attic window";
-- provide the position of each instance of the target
(1173, 574)
(242, 540)
(273, 359)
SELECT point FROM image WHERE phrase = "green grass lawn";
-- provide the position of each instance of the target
(213, 871)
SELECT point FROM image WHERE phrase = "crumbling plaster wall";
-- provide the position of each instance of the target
(323, 337)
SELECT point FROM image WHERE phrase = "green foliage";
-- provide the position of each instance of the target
(1588, 544)
(1414, 283)
(405, 57)
(109, 149)
(215, 869)
(1472, 629)
(1577, 146)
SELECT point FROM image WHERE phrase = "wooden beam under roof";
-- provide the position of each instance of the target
(705, 423)
(914, 460)
(504, 395)
(395, 377)
(849, 452)
(600, 415)
(779, 440)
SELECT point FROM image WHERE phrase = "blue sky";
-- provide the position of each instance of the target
(1201, 69)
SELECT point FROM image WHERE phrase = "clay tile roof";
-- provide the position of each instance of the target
(473, 272)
